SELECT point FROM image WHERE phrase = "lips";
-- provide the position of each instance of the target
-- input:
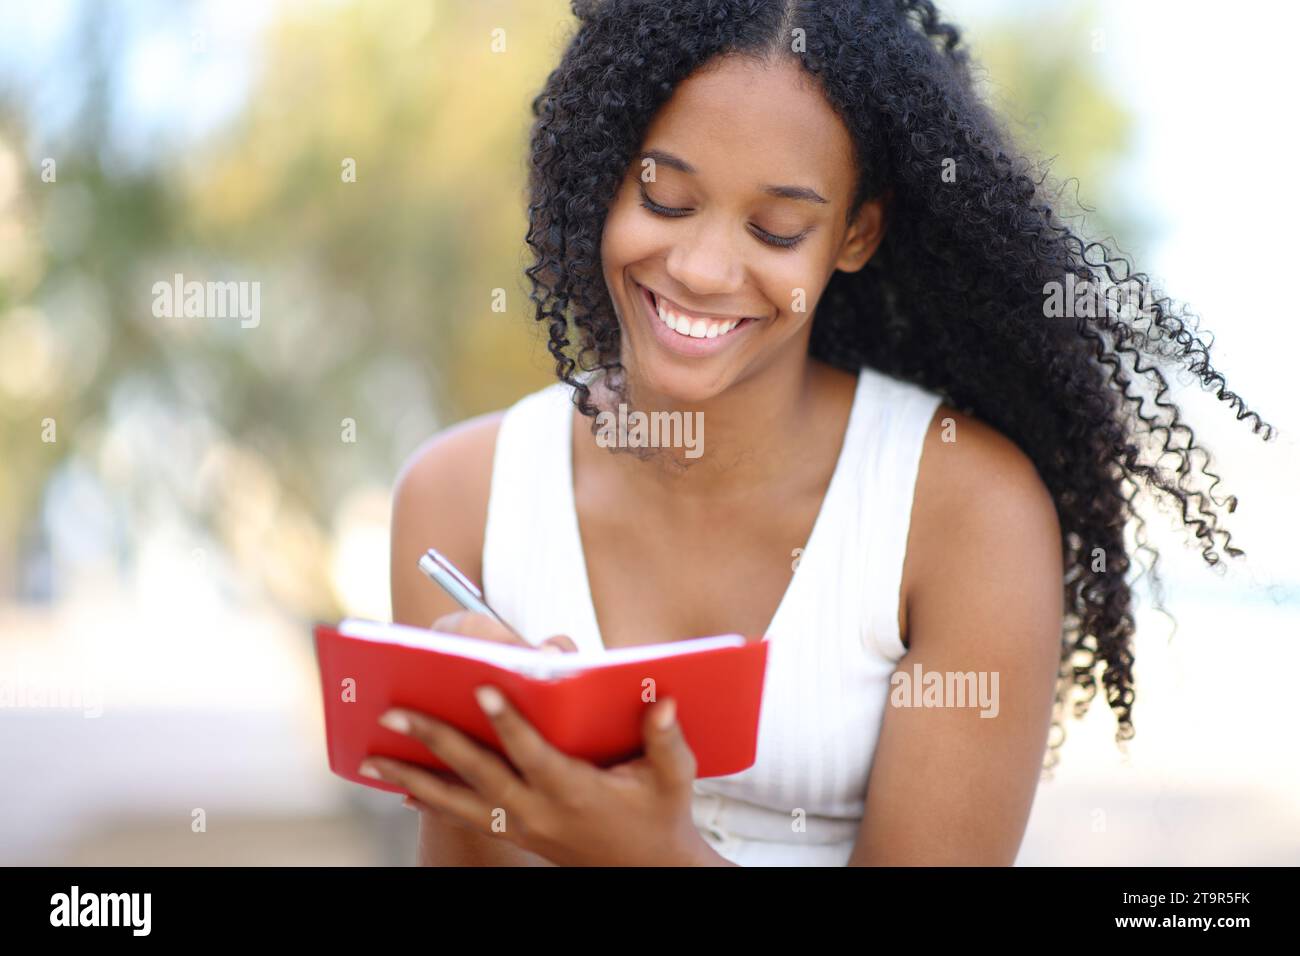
(684, 330)
(693, 324)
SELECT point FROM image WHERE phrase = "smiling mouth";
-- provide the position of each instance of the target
(690, 324)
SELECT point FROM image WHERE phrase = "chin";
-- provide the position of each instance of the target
(663, 358)
(678, 385)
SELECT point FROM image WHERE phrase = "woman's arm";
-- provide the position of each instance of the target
(440, 500)
(983, 585)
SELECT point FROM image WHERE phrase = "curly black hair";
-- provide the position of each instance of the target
(955, 299)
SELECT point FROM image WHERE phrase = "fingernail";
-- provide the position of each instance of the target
(664, 719)
(550, 649)
(367, 769)
(490, 699)
(410, 804)
(397, 721)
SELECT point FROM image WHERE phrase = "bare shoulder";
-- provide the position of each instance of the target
(982, 518)
(972, 475)
(456, 462)
(983, 591)
(440, 499)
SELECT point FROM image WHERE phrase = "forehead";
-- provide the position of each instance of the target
(741, 122)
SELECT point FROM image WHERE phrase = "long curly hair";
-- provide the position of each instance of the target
(957, 298)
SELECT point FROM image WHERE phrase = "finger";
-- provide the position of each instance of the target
(444, 818)
(541, 764)
(560, 641)
(478, 626)
(411, 803)
(424, 809)
(665, 745)
(438, 795)
(478, 766)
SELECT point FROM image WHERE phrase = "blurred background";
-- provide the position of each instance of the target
(181, 497)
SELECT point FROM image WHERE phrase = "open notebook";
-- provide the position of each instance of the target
(587, 704)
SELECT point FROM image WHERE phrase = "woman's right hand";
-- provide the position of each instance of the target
(485, 628)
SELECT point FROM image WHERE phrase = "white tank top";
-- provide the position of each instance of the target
(833, 642)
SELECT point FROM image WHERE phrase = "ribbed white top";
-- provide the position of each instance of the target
(833, 642)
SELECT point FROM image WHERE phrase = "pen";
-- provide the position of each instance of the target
(450, 578)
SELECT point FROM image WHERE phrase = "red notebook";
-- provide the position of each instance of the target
(588, 705)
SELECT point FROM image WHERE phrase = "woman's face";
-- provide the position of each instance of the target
(716, 264)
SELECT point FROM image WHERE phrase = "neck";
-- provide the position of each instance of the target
(749, 433)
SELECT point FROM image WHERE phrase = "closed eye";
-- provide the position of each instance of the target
(659, 210)
(671, 212)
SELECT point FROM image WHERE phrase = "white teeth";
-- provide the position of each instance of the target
(697, 328)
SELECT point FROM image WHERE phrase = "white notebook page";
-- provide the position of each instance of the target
(526, 660)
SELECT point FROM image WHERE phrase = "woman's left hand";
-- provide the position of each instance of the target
(564, 809)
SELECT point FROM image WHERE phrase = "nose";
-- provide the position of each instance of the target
(706, 259)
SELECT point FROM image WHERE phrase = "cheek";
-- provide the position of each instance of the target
(625, 238)
(793, 285)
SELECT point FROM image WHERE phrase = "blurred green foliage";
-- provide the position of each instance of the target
(1044, 71)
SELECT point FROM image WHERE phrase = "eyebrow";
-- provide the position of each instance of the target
(780, 192)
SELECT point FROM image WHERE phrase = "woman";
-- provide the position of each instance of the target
(797, 220)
